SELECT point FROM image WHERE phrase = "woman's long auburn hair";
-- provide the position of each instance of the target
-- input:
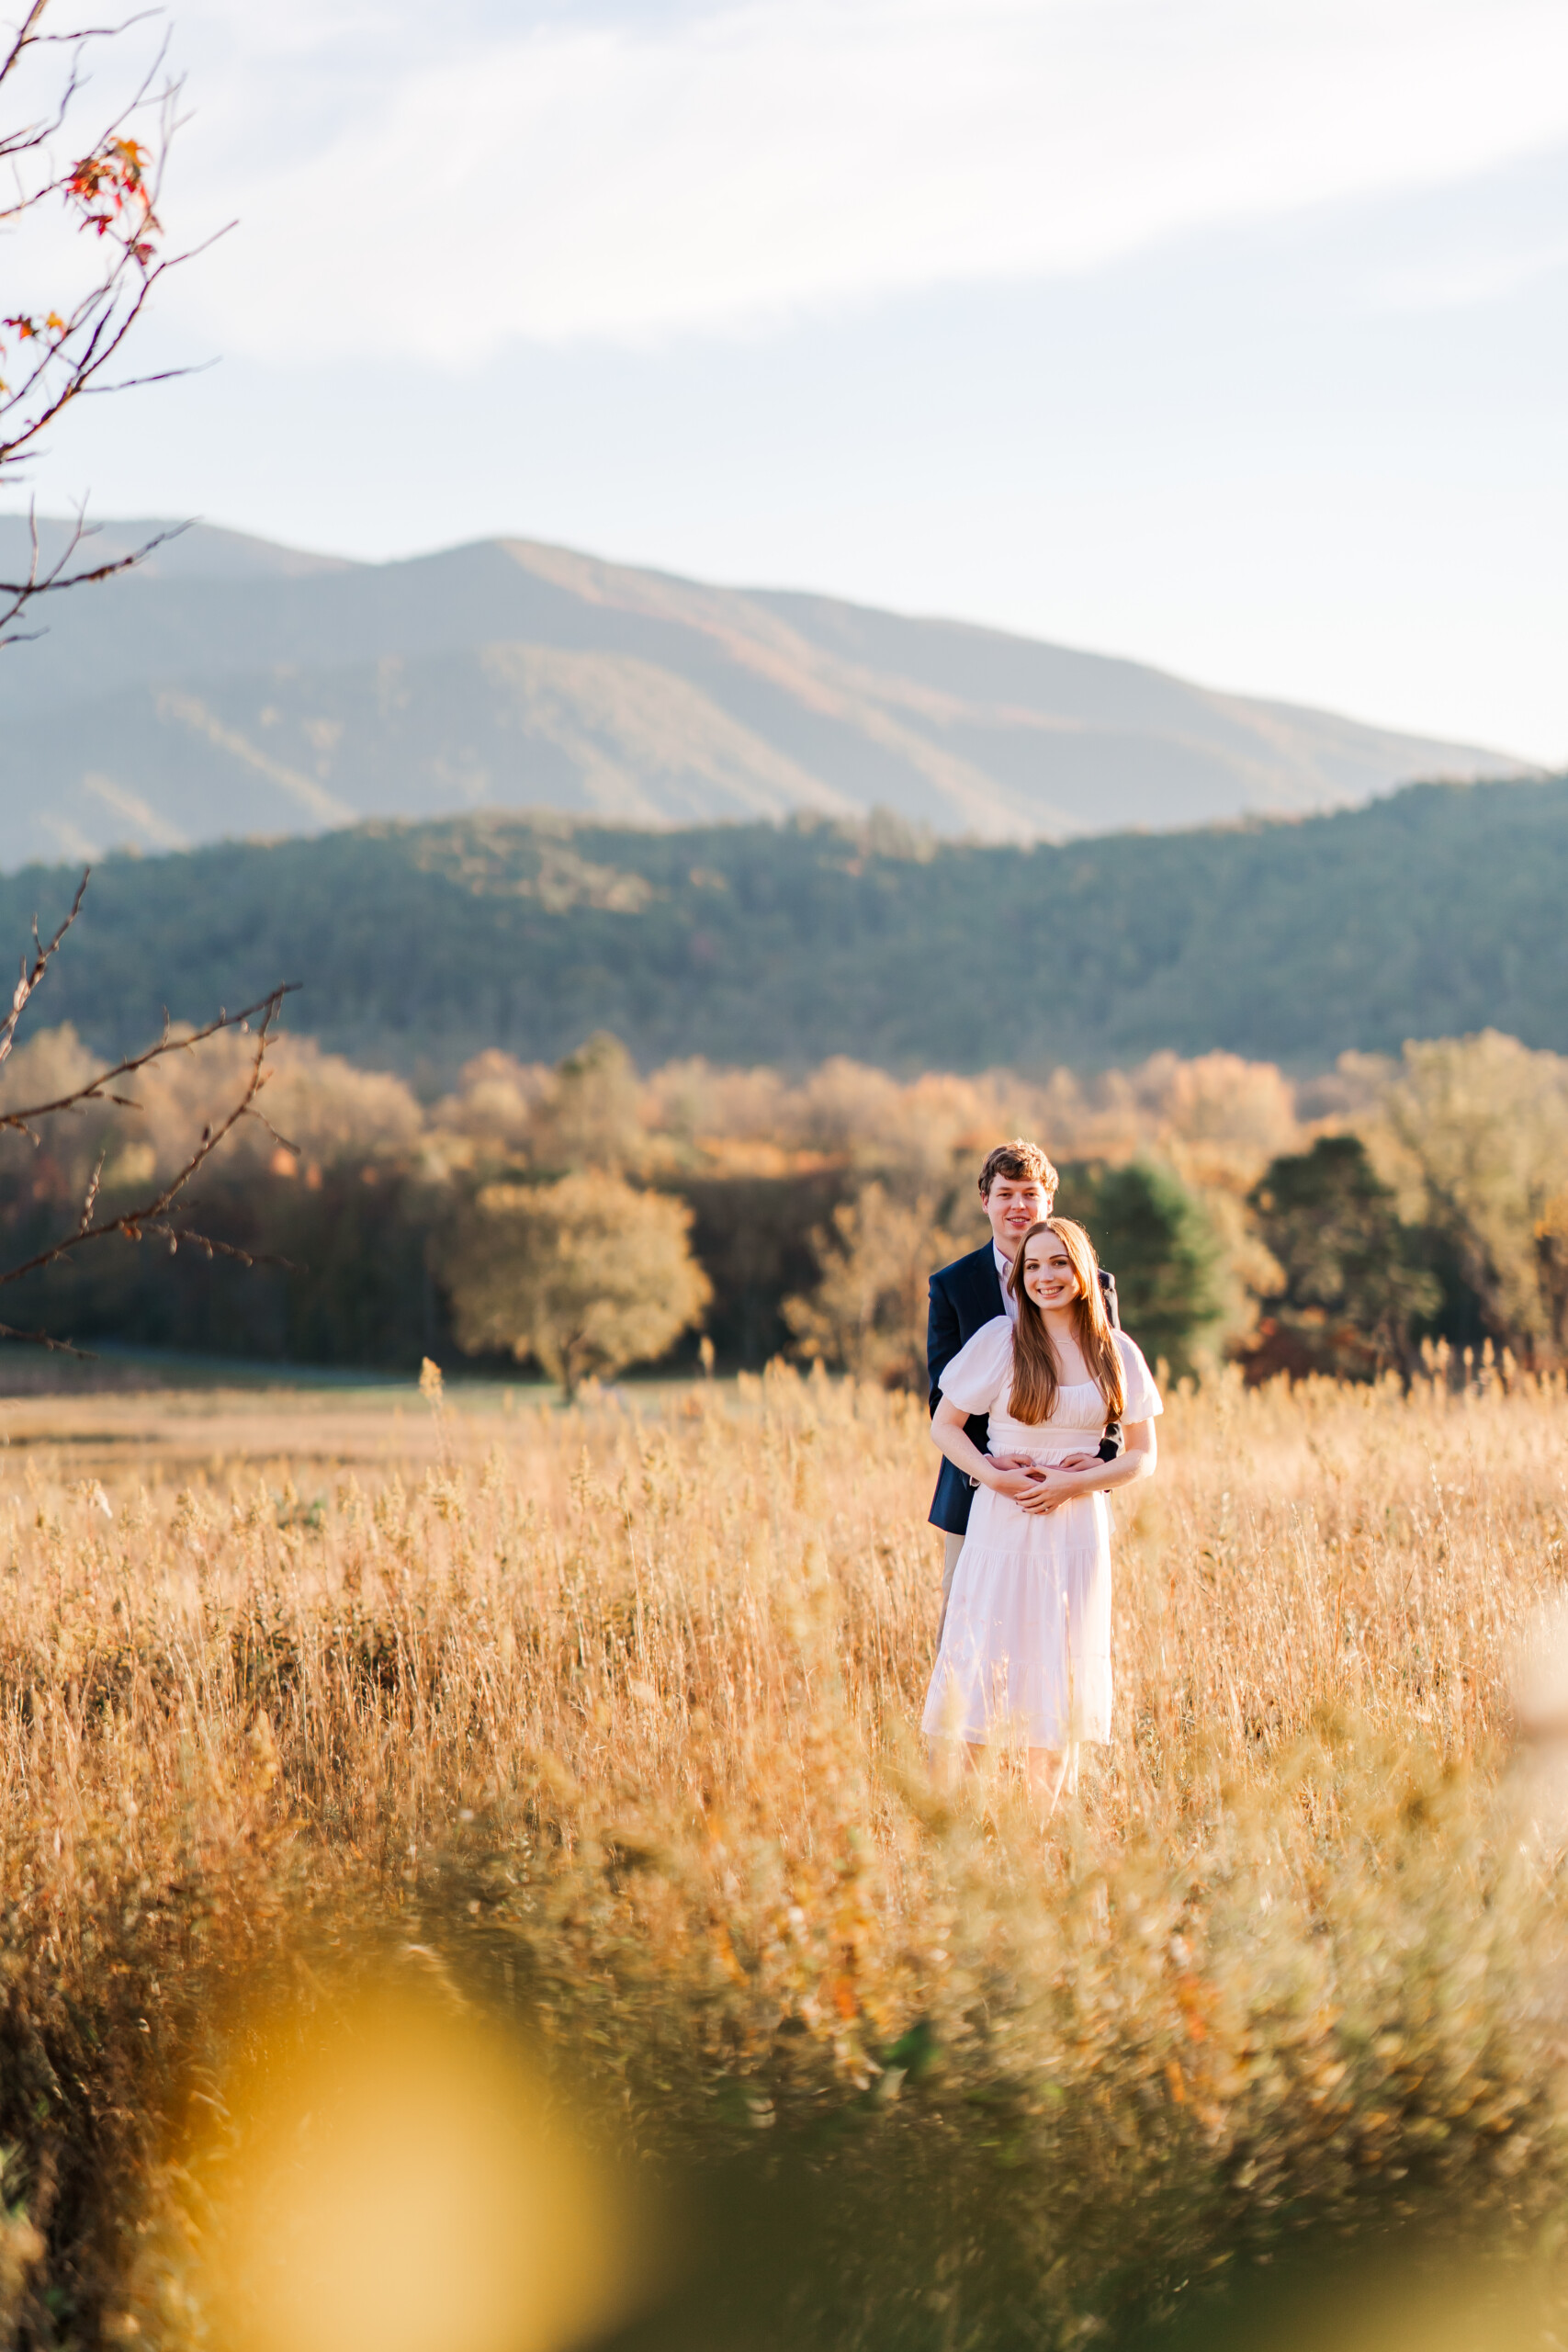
(1035, 1375)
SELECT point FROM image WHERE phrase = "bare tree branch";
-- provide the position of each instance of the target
(151, 1216)
(93, 1090)
(47, 584)
(112, 191)
(46, 1340)
(31, 975)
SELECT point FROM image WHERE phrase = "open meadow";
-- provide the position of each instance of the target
(598, 1724)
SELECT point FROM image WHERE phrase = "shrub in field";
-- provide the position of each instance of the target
(603, 1732)
(585, 1275)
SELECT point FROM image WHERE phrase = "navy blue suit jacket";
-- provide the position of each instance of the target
(966, 1296)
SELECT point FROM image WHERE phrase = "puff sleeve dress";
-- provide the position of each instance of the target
(1026, 1648)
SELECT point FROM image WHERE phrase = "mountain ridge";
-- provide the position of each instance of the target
(232, 688)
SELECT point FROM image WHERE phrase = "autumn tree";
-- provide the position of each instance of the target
(868, 1311)
(1473, 1134)
(586, 1275)
(588, 1114)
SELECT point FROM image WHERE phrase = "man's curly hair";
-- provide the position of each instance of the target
(1023, 1162)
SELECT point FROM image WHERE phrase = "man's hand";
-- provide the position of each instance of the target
(1015, 1484)
(1031, 1462)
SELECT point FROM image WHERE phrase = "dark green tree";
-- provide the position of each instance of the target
(1160, 1244)
(1357, 1280)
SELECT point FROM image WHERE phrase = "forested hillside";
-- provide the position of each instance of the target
(1432, 913)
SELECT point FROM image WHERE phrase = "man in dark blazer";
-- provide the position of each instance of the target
(1018, 1187)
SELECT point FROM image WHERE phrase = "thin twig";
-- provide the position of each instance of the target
(31, 976)
(92, 1090)
(51, 584)
(151, 1216)
(46, 1340)
(90, 1204)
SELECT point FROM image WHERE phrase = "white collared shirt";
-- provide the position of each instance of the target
(1003, 1268)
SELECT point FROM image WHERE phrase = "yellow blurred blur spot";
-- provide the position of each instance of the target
(408, 2183)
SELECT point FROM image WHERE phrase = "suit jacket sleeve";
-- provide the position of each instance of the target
(943, 1338)
(1114, 1442)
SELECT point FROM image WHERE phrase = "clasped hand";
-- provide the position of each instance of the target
(1040, 1487)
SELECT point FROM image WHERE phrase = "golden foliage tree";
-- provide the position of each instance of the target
(1474, 1133)
(868, 1313)
(589, 1116)
(587, 1274)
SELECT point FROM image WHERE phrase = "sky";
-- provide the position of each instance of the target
(1230, 334)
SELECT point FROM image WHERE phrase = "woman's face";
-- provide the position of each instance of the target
(1048, 1274)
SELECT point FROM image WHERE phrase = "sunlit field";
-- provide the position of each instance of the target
(599, 1726)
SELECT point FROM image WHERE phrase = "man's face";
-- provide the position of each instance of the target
(1014, 1204)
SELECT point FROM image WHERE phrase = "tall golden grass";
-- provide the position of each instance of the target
(604, 1721)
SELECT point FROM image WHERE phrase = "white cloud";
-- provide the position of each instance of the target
(625, 179)
(1471, 272)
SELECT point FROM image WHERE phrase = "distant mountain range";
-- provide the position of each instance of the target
(230, 688)
(1432, 913)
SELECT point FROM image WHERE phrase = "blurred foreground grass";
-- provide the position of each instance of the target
(593, 1732)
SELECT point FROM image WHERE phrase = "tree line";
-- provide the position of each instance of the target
(580, 1217)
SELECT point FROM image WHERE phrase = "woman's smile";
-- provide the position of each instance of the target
(1050, 1279)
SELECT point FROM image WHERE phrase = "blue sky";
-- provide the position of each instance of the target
(1227, 334)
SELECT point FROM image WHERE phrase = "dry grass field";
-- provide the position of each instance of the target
(599, 1726)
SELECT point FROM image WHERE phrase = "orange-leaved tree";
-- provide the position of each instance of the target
(74, 301)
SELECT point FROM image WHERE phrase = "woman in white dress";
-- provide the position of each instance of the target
(1026, 1647)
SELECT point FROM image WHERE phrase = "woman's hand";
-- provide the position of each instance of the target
(1050, 1485)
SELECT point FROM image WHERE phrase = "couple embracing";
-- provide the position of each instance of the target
(1041, 1405)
